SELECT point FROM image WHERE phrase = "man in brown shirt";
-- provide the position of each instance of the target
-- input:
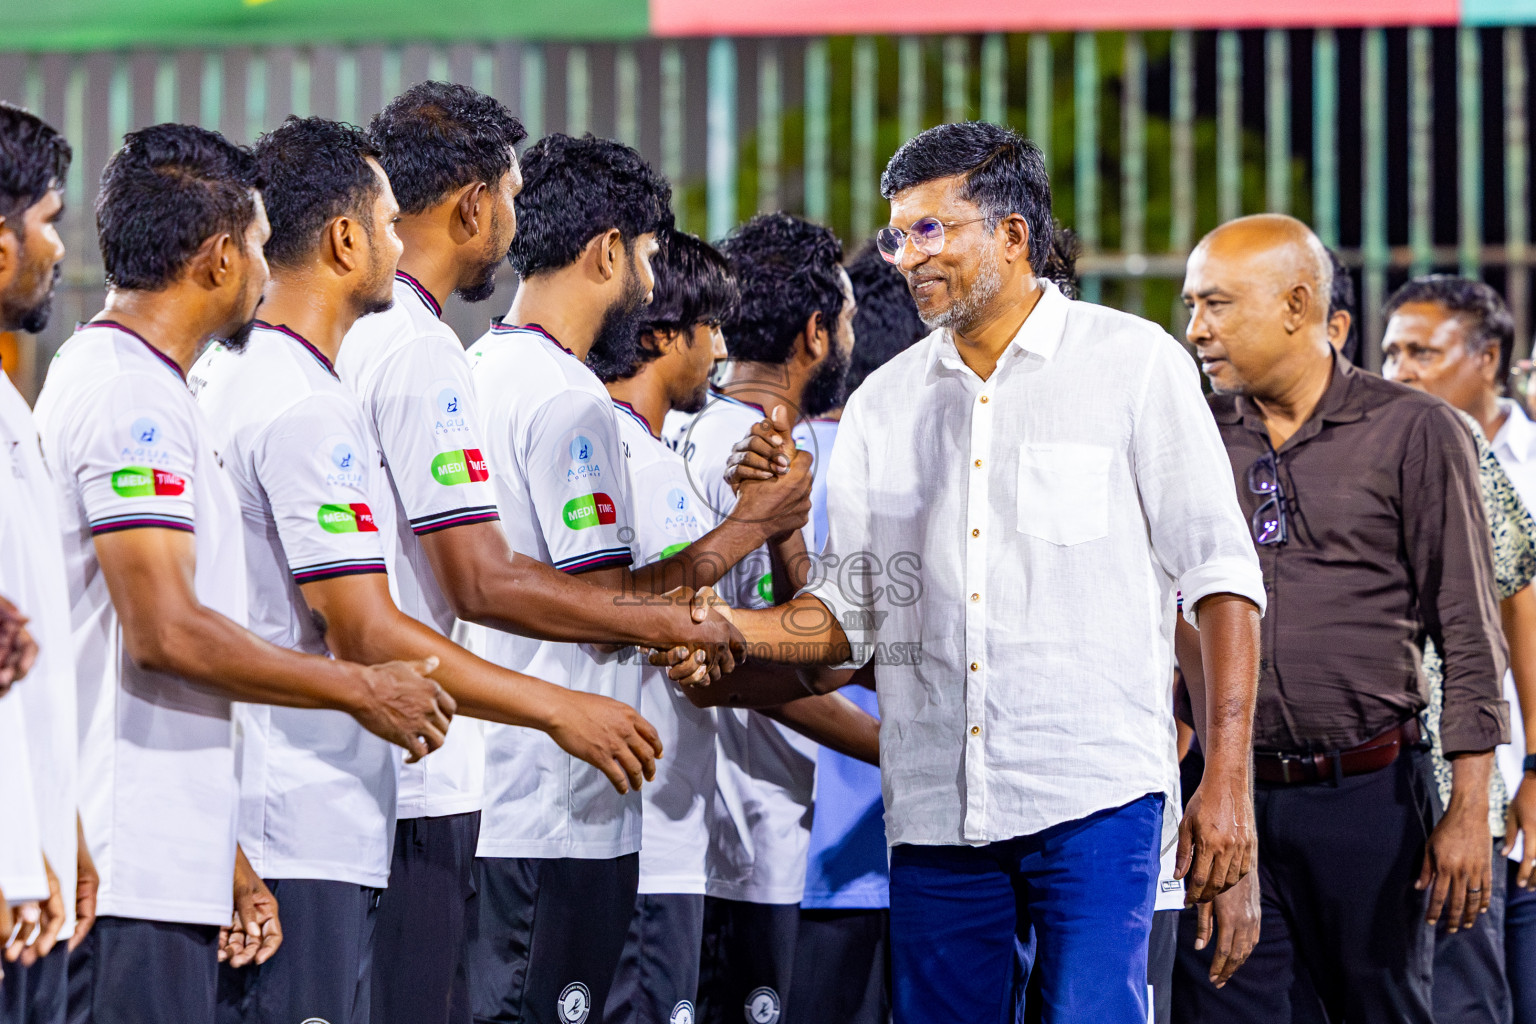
(1365, 511)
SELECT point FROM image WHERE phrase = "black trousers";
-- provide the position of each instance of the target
(748, 961)
(323, 970)
(1470, 985)
(658, 977)
(36, 994)
(1341, 918)
(131, 971)
(421, 938)
(842, 967)
(547, 937)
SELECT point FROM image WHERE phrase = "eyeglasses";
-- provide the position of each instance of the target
(1269, 522)
(927, 236)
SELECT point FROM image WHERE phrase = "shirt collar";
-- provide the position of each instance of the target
(114, 325)
(1040, 333)
(421, 292)
(1340, 404)
(1516, 439)
(499, 326)
(305, 342)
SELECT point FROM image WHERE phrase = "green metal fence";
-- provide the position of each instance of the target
(1407, 149)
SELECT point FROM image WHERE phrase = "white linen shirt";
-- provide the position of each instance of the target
(1007, 551)
(1515, 448)
(408, 367)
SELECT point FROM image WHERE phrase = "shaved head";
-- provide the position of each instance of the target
(1258, 291)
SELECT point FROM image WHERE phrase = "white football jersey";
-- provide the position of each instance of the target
(32, 577)
(129, 448)
(563, 492)
(408, 367)
(766, 773)
(317, 790)
(677, 802)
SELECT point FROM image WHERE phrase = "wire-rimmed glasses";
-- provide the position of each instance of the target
(1269, 523)
(926, 235)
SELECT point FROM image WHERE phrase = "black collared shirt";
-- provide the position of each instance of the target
(1388, 543)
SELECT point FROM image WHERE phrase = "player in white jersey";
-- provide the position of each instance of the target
(449, 154)
(791, 336)
(38, 717)
(155, 565)
(554, 834)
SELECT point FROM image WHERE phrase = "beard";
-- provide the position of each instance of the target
(697, 399)
(380, 293)
(32, 319)
(966, 310)
(484, 284)
(617, 342)
(239, 337)
(826, 390)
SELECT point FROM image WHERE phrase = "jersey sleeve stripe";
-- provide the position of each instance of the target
(456, 517)
(331, 570)
(605, 559)
(112, 524)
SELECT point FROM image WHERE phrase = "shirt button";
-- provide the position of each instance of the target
(975, 533)
(975, 666)
(975, 597)
(975, 730)
(977, 463)
(983, 399)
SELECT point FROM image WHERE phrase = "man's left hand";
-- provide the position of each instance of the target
(255, 932)
(1217, 843)
(1458, 863)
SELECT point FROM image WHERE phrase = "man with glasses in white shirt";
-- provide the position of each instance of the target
(1071, 481)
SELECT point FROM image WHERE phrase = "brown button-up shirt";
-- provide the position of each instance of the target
(1387, 544)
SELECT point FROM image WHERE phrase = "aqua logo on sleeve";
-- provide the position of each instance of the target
(354, 517)
(461, 467)
(589, 510)
(143, 482)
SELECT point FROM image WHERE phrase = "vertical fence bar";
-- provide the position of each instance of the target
(1469, 71)
(817, 101)
(1420, 158)
(165, 89)
(994, 78)
(1229, 126)
(626, 96)
(300, 72)
(1181, 70)
(32, 87)
(531, 107)
(1133, 164)
(437, 64)
(74, 128)
(255, 96)
(482, 70)
(1040, 79)
(1085, 150)
(119, 101)
(578, 91)
(346, 86)
(909, 66)
(861, 173)
(389, 81)
(673, 124)
(1325, 136)
(210, 99)
(957, 86)
(770, 126)
(1517, 225)
(721, 143)
(1277, 120)
(1374, 201)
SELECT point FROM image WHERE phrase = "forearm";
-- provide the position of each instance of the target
(1519, 614)
(481, 690)
(835, 722)
(1470, 775)
(704, 562)
(1229, 658)
(203, 646)
(799, 632)
(791, 566)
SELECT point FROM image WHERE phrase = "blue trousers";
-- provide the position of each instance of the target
(961, 918)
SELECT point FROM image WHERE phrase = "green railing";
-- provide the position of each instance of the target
(1407, 149)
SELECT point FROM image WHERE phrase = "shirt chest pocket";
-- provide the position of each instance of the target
(1064, 492)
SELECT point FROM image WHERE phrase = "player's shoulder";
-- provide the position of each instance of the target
(642, 449)
(403, 330)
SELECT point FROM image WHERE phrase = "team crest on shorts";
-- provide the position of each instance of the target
(575, 1003)
(682, 1013)
(762, 1006)
(314, 1020)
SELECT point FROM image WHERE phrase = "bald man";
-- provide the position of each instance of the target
(1363, 503)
